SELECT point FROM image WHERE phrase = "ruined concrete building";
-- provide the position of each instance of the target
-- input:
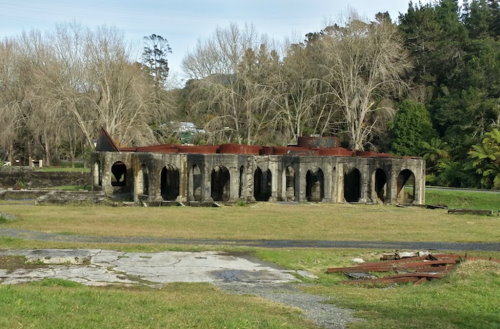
(316, 170)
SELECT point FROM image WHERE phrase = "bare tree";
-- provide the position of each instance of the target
(295, 94)
(365, 64)
(58, 89)
(103, 88)
(9, 100)
(221, 53)
(238, 106)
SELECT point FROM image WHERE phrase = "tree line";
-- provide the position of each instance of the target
(427, 85)
(58, 89)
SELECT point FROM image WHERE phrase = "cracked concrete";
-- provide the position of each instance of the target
(95, 267)
(234, 274)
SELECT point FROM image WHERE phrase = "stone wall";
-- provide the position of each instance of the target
(191, 178)
(36, 179)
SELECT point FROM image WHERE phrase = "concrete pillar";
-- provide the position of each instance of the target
(206, 189)
(393, 186)
(301, 177)
(138, 183)
(420, 184)
(96, 171)
(106, 165)
(250, 173)
(155, 179)
(370, 182)
(339, 194)
(282, 192)
(327, 182)
(183, 179)
(275, 178)
(334, 178)
(234, 183)
(365, 178)
(191, 182)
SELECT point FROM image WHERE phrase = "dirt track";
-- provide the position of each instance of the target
(392, 245)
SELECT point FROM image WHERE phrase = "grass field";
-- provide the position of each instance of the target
(62, 169)
(261, 221)
(61, 304)
(463, 199)
(466, 299)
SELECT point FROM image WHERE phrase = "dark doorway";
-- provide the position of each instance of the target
(315, 186)
(220, 184)
(169, 183)
(119, 171)
(380, 184)
(406, 186)
(262, 184)
(352, 186)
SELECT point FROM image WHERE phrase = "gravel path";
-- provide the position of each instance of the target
(393, 245)
(316, 308)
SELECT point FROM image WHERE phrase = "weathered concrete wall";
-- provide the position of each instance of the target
(232, 177)
(37, 179)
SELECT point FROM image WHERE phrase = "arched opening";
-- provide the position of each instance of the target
(119, 174)
(380, 185)
(352, 186)
(315, 191)
(220, 183)
(97, 174)
(196, 183)
(240, 185)
(262, 184)
(406, 186)
(169, 186)
(289, 184)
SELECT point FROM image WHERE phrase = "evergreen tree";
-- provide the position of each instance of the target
(410, 128)
(486, 159)
(154, 57)
(457, 62)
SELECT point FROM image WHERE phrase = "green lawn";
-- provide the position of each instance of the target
(62, 169)
(61, 304)
(463, 199)
(466, 299)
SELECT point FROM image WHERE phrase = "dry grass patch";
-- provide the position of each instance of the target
(261, 221)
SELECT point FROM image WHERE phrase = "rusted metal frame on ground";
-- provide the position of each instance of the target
(399, 278)
(395, 267)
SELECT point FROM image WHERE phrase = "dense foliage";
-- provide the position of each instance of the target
(456, 55)
(428, 85)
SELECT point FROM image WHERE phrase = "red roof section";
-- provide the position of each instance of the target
(308, 146)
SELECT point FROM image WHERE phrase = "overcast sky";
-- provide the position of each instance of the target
(182, 22)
